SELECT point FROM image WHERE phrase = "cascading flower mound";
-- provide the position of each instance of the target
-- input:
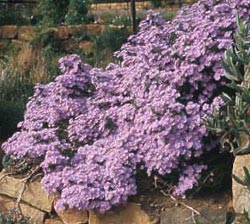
(83, 156)
(91, 128)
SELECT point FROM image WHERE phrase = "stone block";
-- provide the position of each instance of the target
(33, 194)
(241, 195)
(8, 32)
(182, 215)
(71, 216)
(94, 29)
(17, 42)
(62, 33)
(86, 46)
(2, 45)
(36, 216)
(76, 30)
(131, 214)
(26, 33)
(176, 215)
(53, 221)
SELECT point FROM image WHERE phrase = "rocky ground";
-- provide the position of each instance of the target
(155, 207)
(205, 209)
(151, 206)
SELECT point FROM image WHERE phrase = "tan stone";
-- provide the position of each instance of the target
(88, 29)
(8, 32)
(2, 45)
(36, 216)
(70, 216)
(121, 5)
(17, 42)
(53, 221)
(86, 45)
(241, 195)
(94, 29)
(33, 194)
(132, 214)
(26, 33)
(62, 33)
(76, 30)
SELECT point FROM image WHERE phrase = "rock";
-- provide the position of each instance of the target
(70, 216)
(88, 29)
(241, 195)
(76, 30)
(209, 216)
(33, 194)
(86, 46)
(176, 215)
(2, 44)
(17, 42)
(240, 219)
(8, 32)
(26, 33)
(62, 33)
(94, 29)
(53, 221)
(183, 215)
(132, 214)
(36, 216)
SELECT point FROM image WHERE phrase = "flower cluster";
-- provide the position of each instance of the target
(92, 127)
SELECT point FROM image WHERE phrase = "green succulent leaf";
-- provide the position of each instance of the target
(238, 180)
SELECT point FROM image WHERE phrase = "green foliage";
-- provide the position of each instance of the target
(156, 3)
(53, 12)
(6, 161)
(44, 38)
(11, 114)
(77, 11)
(119, 20)
(11, 14)
(106, 44)
(20, 69)
(246, 215)
(113, 37)
(246, 181)
(232, 121)
(13, 216)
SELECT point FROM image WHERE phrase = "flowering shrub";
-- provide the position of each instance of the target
(92, 127)
(68, 130)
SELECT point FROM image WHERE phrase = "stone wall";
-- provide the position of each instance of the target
(27, 33)
(38, 205)
(139, 5)
(22, 34)
(120, 5)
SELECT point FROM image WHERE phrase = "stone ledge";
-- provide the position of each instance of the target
(26, 33)
(131, 214)
(241, 194)
(36, 216)
(71, 216)
(8, 32)
(33, 194)
(53, 221)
